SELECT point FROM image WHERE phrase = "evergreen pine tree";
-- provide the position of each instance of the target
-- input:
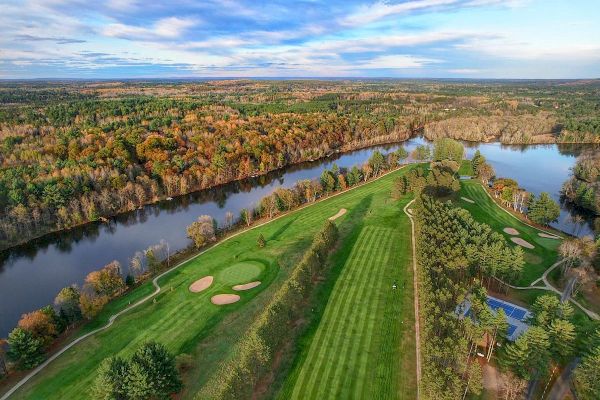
(152, 373)
(110, 384)
(587, 376)
(544, 210)
(24, 349)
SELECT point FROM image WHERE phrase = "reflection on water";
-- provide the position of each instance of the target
(32, 274)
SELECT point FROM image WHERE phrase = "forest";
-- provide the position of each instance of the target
(75, 152)
(583, 189)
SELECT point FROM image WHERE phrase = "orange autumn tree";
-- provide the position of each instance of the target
(107, 281)
(99, 287)
(40, 325)
(91, 304)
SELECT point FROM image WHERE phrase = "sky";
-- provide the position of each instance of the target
(337, 38)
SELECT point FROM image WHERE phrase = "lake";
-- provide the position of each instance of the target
(31, 275)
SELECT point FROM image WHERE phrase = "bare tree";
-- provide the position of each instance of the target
(228, 219)
(512, 387)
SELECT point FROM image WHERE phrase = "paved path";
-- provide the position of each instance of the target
(547, 286)
(416, 299)
(561, 386)
(157, 287)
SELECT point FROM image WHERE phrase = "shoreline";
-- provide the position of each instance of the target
(106, 219)
(345, 149)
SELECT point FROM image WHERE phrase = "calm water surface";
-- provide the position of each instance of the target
(31, 275)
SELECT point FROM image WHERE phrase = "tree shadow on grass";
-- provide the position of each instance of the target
(282, 229)
(350, 229)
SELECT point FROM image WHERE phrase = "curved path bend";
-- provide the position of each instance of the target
(157, 287)
(549, 287)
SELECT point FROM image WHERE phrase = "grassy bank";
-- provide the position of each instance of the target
(187, 322)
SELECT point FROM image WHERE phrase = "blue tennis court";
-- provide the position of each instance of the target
(511, 330)
(515, 316)
(509, 310)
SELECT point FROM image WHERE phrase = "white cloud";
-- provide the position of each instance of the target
(396, 61)
(520, 49)
(373, 12)
(383, 42)
(166, 28)
(465, 71)
(123, 5)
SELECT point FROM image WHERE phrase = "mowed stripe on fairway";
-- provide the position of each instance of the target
(340, 351)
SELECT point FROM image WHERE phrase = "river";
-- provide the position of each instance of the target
(32, 274)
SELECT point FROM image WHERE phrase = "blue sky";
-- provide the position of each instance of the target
(337, 38)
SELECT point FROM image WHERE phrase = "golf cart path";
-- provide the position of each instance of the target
(547, 286)
(416, 299)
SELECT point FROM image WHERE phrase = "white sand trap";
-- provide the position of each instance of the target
(339, 214)
(201, 284)
(522, 243)
(511, 231)
(547, 236)
(222, 299)
(247, 286)
(468, 200)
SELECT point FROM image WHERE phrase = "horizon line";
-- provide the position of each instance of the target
(296, 78)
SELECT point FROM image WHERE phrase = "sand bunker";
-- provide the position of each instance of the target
(339, 214)
(201, 284)
(468, 200)
(247, 286)
(511, 231)
(222, 299)
(545, 235)
(522, 243)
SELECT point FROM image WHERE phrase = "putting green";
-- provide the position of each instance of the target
(242, 272)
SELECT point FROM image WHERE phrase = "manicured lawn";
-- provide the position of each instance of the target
(188, 323)
(363, 345)
(466, 168)
(487, 211)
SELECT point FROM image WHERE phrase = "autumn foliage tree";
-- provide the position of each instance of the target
(107, 281)
(202, 231)
(67, 302)
(40, 325)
